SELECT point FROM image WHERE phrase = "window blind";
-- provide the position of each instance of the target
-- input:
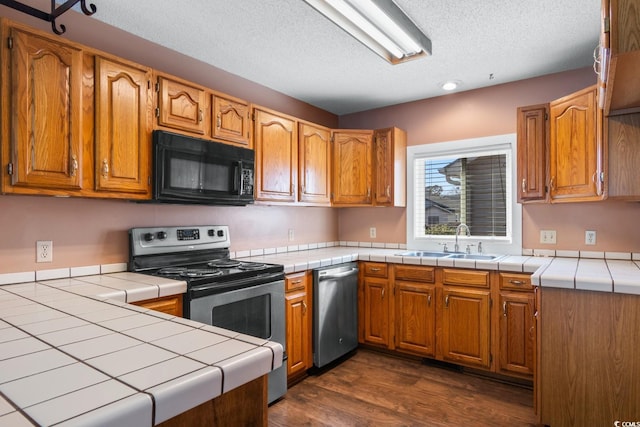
(469, 189)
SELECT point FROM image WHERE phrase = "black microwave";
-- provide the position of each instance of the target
(197, 171)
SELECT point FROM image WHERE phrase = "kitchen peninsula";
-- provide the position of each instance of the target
(74, 352)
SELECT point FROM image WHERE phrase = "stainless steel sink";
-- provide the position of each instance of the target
(425, 253)
(474, 256)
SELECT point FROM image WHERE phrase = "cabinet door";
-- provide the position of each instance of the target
(415, 317)
(123, 133)
(575, 152)
(376, 311)
(231, 120)
(389, 147)
(532, 157)
(298, 332)
(276, 140)
(46, 108)
(170, 304)
(314, 151)
(465, 327)
(516, 333)
(181, 106)
(352, 167)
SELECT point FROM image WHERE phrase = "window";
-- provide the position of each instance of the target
(464, 182)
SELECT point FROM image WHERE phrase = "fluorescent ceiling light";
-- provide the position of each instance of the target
(380, 25)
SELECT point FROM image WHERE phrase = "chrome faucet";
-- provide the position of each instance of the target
(458, 228)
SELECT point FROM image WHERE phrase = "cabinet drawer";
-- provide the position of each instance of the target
(293, 282)
(478, 279)
(375, 269)
(514, 281)
(415, 274)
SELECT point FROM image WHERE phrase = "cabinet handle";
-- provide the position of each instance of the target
(446, 301)
(374, 269)
(74, 165)
(552, 184)
(504, 309)
(105, 169)
(219, 121)
(517, 282)
(296, 282)
(388, 191)
(200, 116)
(383, 292)
(524, 185)
(368, 193)
(429, 300)
(304, 307)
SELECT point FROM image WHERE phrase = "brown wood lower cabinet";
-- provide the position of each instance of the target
(465, 326)
(477, 318)
(298, 317)
(415, 310)
(589, 369)
(374, 304)
(171, 304)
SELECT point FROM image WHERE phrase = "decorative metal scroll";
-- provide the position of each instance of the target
(55, 11)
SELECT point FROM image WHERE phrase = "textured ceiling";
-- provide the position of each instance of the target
(287, 46)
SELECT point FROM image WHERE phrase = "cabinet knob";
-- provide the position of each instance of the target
(429, 300)
(516, 282)
(446, 301)
(552, 184)
(504, 308)
(200, 116)
(218, 121)
(105, 168)
(524, 185)
(304, 307)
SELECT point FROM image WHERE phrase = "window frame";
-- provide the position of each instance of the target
(511, 243)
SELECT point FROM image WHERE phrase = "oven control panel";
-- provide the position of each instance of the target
(154, 240)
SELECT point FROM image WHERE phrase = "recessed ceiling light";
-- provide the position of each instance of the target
(450, 85)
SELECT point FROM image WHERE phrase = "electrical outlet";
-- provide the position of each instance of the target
(291, 235)
(372, 232)
(44, 251)
(589, 237)
(548, 237)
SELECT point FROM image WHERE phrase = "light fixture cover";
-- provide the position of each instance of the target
(378, 24)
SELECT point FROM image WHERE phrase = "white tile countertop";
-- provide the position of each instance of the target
(595, 271)
(73, 352)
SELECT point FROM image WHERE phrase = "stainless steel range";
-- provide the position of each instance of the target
(241, 296)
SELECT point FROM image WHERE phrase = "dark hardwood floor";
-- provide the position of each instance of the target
(371, 388)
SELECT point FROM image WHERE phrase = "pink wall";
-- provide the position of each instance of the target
(485, 112)
(88, 232)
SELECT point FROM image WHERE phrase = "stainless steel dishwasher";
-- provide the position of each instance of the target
(335, 312)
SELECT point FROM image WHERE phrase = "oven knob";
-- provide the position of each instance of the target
(148, 237)
(161, 235)
(220, 233)
(211, 232)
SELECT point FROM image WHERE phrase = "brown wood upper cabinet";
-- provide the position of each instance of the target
(231, 120)
(276, 146)
(619, 57)
(181, 105)
(574, 150)
(352, 169)
(123, 128)
(390, 157)
(532, 152)
(45, 127)
(314, 164)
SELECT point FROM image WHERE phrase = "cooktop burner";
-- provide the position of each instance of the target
(224, 263)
